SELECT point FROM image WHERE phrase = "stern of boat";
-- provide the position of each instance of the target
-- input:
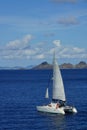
(70, 109)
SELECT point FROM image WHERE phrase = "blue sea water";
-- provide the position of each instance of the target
(22, 90)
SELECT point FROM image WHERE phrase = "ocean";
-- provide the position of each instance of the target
(22, 90)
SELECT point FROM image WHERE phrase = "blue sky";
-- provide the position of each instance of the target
(31, 29)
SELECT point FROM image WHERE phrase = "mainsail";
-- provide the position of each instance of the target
(58, 87)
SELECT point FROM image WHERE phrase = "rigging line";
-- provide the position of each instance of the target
(49, 79)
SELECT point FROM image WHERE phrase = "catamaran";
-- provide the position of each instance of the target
(58, 103)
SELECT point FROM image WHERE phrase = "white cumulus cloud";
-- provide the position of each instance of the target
(57, 43)
(19, 44)
(78, 50)
(23, 49)
(40, 56)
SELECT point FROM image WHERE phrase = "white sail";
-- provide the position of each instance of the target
(47, 94)
(58, 87)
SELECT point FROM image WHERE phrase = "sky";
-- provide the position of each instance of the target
(30, 30)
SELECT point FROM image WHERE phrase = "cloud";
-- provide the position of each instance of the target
(64, 1)
(19, 44)
(78, 50)
(14, 44)
(40, 56)
(48, 23)
(71, 20)
(72, 52)
(49, 34)
(67, 52)
(27, 38)
(23, 49)
(57, 43)
(19, 48)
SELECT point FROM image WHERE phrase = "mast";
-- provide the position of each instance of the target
(58, 87)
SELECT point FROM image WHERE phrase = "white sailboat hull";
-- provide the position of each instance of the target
(51, 108)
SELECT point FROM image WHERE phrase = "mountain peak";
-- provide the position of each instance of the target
(43, 65)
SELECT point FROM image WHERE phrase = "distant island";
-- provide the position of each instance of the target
(46, 65)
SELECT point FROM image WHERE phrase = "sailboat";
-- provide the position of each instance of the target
(58, 103)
